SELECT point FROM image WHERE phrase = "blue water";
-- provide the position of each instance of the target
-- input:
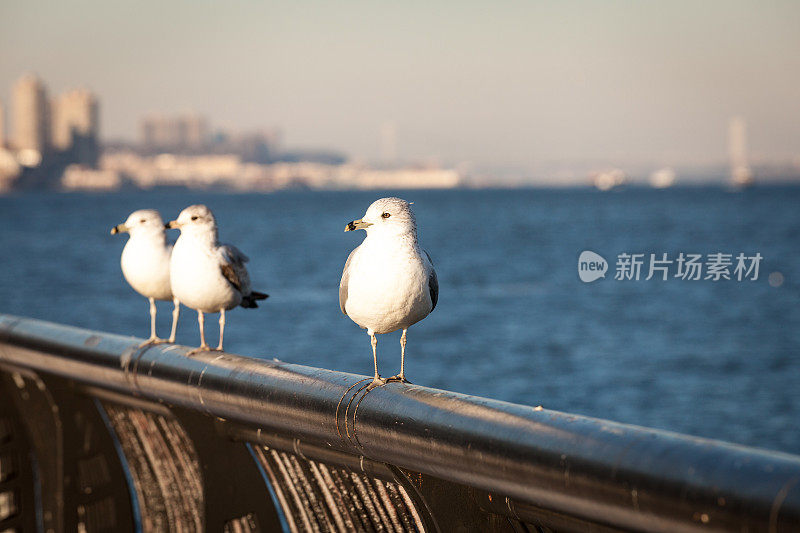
(514, 321)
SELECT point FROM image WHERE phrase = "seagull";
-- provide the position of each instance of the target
(145, 264)
(388, 282)
(208, 276)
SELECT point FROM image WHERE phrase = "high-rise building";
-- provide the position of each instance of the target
(75, 113)
(195, 131)
(170, 132)
(76, 125)
(30, 112)
(154, 131)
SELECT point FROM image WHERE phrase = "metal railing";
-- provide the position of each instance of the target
(99, 434)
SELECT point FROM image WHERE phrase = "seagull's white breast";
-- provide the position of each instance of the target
(145, 264)
(197, 279)
(388, 286)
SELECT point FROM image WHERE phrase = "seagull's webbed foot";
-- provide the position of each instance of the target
(151, 341)
(399, 378)
(376, 382)
(199, 349)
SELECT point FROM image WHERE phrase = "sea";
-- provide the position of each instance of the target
(716, 358)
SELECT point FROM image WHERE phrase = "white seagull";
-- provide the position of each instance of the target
(207, 276)
(145, 263)
(388, 282)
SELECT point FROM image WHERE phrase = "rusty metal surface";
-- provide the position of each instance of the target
(164, 468)
(321, 497)
(513, 464)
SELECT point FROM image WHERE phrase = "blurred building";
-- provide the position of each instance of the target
(74, 112)
(231, 171)
(76, 125)
(78, 177)
(189, 134)
(30, 115)
(166, 133)
(256, 147)
(194, 130)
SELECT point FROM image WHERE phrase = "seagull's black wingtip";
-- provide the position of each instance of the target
(249, 301)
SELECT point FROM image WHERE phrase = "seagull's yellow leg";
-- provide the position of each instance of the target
(176, 313)
(403, 355)
(203, 346)
(377, 381)
(153, 338)
(221, 327)
(152, 319)
(401, 377)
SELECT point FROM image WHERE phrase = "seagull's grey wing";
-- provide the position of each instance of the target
(345, 280)
(433, 283)
(233, 253)
(231, 265)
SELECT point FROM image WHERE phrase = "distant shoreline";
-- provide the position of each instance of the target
(227, 191)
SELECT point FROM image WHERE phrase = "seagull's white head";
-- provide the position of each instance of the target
(387, 216)
(140, 223)
(196, 220)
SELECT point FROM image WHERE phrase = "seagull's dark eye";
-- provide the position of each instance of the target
(143, 221)
(386, 215)
(195, 217)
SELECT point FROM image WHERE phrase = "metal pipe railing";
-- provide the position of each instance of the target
(518, 459)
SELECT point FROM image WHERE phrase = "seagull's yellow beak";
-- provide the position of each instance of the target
(172, 224)
(357, 224)
(119, 228)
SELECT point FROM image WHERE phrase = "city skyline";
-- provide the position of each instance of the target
(507, 84)
(46, 129)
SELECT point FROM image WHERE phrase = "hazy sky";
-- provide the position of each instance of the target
(490, 82)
